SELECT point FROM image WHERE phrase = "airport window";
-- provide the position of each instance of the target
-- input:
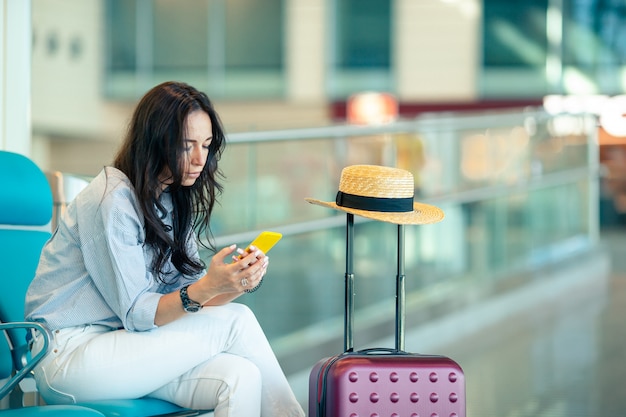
(363, 33)
(361, 47)
(540, 47)
(229, 48)
(514, 34)
(594, 44)
(180, 37)
(596, 33)
(121, 41)
(515, 50)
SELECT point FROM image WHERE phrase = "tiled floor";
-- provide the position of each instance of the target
(554, 348)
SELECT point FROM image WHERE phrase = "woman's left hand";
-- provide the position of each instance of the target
(227, 280)
(252, 267)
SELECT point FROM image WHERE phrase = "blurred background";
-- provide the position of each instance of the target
(509, 114)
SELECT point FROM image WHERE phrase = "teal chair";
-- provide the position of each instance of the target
(25, 216)
(22, 234)
(12, 377)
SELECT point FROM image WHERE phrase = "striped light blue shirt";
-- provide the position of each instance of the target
(95, 269)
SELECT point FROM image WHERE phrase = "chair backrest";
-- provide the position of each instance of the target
(25, 214)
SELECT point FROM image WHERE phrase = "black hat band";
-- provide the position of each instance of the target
(388, 205)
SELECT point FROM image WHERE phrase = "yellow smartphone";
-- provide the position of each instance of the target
(265, 241)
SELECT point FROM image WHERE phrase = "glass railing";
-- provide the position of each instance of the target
(519, 190)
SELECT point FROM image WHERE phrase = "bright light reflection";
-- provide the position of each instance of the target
(554, 33)
(469, 8)
(576, 82)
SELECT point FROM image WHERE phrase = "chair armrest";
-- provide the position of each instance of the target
(34, 360)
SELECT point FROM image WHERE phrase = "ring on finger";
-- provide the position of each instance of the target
(244, 282)
(255, 288)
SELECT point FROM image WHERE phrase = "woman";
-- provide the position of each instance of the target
(131, 308)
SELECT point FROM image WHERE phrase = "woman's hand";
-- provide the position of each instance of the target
(226, 281)
(222, 283)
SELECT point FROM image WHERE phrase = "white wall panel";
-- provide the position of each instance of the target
(305, 51)
(435, 49)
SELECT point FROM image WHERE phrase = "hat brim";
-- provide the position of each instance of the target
(421, 214)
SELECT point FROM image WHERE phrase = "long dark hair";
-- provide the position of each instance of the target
(154, 145)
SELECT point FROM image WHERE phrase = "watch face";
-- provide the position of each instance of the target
(193, 308)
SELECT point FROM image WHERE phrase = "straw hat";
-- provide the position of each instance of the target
(381, 193)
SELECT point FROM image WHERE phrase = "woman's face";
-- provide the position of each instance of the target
(198, 136)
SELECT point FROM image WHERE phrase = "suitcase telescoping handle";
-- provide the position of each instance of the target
(348, 334)
(349, 290)
(400, 288)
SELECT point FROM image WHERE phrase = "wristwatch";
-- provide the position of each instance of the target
(189, 305)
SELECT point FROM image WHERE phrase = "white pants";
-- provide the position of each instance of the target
(218, 358)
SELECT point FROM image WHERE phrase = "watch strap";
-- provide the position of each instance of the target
(189, 305)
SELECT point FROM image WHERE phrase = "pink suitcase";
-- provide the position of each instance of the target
(384, 382)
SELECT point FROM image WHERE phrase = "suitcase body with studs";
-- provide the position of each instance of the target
(391, 384)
